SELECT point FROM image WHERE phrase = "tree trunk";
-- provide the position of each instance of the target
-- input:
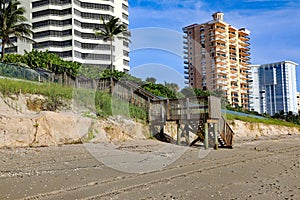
(3, 51)
(111, 66)
(111, 55)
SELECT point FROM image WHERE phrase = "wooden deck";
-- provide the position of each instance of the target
(200, 115)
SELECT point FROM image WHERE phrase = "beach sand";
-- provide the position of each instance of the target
(265, 168)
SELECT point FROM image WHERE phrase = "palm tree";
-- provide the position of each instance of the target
(110, 30)
(12, 23)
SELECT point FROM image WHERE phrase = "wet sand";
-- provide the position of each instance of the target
(268, 168)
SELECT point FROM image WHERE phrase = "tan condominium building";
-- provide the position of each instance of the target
(217, 58)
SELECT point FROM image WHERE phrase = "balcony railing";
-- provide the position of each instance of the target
(221, 39)
(222, 72)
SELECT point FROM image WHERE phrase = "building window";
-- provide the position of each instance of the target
(52, 34)
(63, 54)
(124, 16)
(50, 2)
(125, 7)
(126, 62)
(125, 53)
(51, 12)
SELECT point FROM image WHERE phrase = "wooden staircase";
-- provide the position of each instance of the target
(225, 136)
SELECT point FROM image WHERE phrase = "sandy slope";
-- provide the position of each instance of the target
(22, 127)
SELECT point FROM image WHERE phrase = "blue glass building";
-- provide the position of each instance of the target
(277, 88)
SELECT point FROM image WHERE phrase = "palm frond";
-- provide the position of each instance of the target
(13, 22)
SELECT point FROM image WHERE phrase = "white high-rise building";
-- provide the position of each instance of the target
(254, 98)
(67, 28)
(274, 88)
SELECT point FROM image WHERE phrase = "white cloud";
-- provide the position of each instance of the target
(174, 17)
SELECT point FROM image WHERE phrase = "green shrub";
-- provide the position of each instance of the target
(258, 120)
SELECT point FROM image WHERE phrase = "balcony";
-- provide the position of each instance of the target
(242, 81)
(222, 56)
(233, 55)
(220, 61)
(245, 97)
(220, 39)
(244, 48)
(186, 62)
(244, 68)
(186, 82)
(232, 34)
(232, 61)
(185, 47)
(244, 38)
(220, 45)
(221, 35)
(186, 67)
(234, 75)
(245, 72)
(185, 42)
(185, 37)
(186, 72)
(234, 93)
(245, 44)
(244, 53)
(186, 77)
(185, 52)
(222, 83)
(245, 58)
(245, 78)
(222, 72)
(232, 50)
(221, 50)
(245, 87)
(185, 57)
(220, 29)
(222, 78)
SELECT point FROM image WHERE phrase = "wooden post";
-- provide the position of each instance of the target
(168, 110)
(162, 131)
(187, 134)
(216, 136)
(206, 136)
(162, 111)
(178, 133)
(188, 116)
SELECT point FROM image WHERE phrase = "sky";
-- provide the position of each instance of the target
(156, 28)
